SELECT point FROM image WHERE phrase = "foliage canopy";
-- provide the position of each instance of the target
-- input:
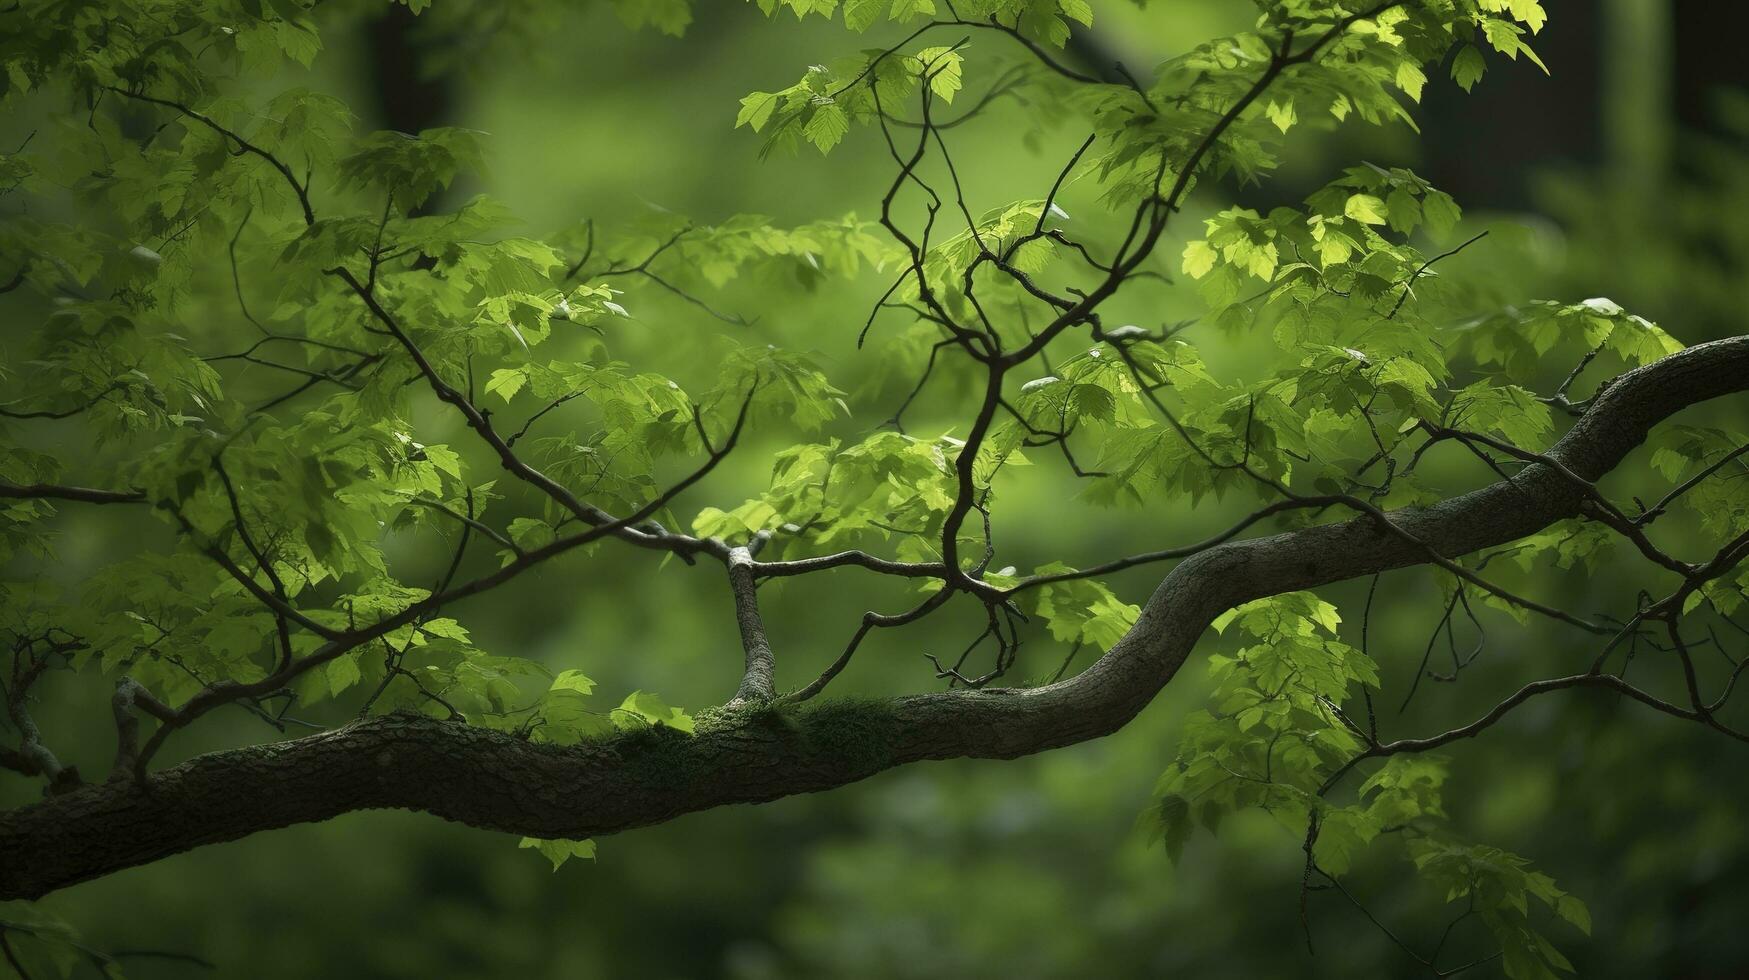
(241, 319)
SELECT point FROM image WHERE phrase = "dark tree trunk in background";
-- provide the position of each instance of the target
(1604, 56)
(1709, 38)
(407, 100)
(1486, 148)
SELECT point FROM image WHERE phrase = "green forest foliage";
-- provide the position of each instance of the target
(338, 386)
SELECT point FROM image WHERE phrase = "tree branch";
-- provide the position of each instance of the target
(494, 780)
(757, 679)
(47, 491)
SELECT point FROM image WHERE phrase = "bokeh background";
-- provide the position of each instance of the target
(1625, 173)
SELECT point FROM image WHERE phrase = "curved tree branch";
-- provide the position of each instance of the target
(758, 753)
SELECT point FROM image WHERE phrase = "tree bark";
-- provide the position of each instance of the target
(758, 753)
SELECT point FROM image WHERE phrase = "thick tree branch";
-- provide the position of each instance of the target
(753, 754)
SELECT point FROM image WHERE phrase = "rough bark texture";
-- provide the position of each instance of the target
(757, 753)
(759, 677)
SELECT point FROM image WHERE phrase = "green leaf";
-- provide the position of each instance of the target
(1081, 610)
(1467, 67)
(573, 680)
(342, 673)
(827, 126)
(756, 110)
(1281, 114)
(1441, 212)
(943, 68)
(1411, 79)
(1574, 911)
(860, 15)
(1199, 258)
(506, 382)
(1175, 825)
(1365, 208)
(559, 851)
(653, 710)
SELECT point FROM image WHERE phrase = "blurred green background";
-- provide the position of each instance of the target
(1624, 174)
